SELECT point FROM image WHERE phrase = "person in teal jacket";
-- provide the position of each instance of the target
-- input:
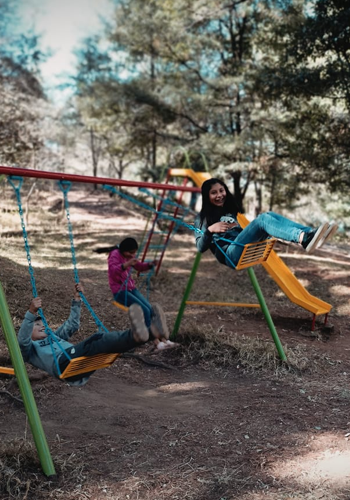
(41, 351)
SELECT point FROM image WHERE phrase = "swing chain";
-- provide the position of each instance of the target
(168, 217)
(65, 187)
(48, 331)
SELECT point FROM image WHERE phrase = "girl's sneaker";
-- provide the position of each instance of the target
(138, 325)
(331, 230)
(311, 239)
(159, 328)
(171, 344)
(161, 346)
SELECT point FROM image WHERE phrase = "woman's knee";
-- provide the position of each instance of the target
(262, 219)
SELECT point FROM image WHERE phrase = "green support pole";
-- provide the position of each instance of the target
(25, 388)
(186, 295)
(266, 313)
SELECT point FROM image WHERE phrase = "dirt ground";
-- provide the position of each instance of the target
(217, 418)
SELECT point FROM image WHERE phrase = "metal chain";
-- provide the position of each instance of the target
(148, 207)
(48, 331)
(168, 217)
(65, 187)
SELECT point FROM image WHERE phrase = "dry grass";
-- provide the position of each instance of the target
(19, 478)
(198, 477)
(219, 349)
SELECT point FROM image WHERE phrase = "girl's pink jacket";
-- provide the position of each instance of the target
(117, 276)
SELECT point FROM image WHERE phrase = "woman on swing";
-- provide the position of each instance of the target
(218, 219)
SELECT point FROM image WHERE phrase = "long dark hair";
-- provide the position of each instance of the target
(127, 245)
(209, 212)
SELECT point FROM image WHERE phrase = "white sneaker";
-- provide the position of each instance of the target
(138, 325)
(161, 346)
(311, 239)
(170, 344)
(331, 230)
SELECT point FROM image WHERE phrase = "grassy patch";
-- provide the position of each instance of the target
(19, 477)
(217, 348)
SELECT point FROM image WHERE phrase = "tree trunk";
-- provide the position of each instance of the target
(236, 176)
(94, 155)
(258, 191)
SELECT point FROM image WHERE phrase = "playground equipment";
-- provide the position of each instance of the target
(25, 388)
(86, 364)
(19, 369)
(274, 266)
(159, 213)
(7, 371)
(290, 284)
(165, 206)
(161, 245)
(79, 365)
(76, 365)
(253, 254)
(186, 173)
(197, 177)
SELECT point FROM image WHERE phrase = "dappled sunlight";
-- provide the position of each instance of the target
(317, 258)
(341, 290)
(177, 256)
(184, 387)
(178, 270)
(306, 283)
(327, 462)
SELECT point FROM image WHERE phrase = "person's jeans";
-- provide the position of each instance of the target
(98, 343)
(126, 298)
(265, 225)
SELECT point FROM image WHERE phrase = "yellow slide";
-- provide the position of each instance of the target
(197, 177)
(288, 283)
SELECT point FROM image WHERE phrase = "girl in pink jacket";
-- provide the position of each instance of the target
(121, 260)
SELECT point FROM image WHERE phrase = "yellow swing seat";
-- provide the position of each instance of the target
(7, 371)
(120, 306)
(85, 364)
(255, 253)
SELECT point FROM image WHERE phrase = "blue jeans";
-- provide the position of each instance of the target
(127, 297)
(98, 343)
(265, 225)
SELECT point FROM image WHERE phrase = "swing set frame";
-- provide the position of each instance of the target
(19, 369)
(264, 248)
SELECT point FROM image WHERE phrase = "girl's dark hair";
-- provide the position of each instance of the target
(209, 212)
(127, 245)
(106, 249)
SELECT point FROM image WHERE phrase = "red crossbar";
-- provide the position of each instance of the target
(59, 176)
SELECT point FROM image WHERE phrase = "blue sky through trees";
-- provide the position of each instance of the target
(62, 25)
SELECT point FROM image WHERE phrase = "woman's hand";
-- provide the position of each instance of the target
(219, 227)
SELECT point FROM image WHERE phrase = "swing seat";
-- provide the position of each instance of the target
(85, 364)
(255, 253)
(7, 371)
(117, 304)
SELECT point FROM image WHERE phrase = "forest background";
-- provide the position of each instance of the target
(257, 92)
